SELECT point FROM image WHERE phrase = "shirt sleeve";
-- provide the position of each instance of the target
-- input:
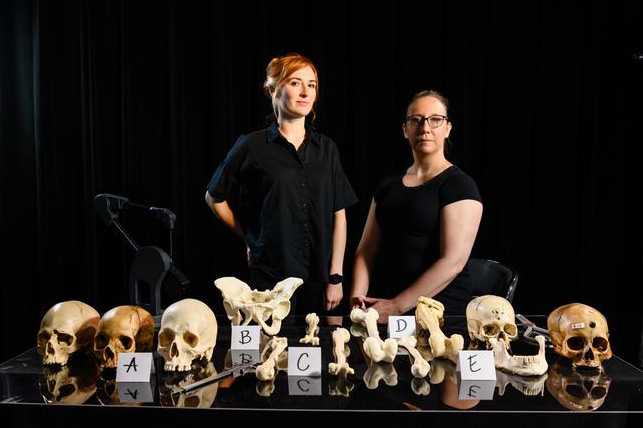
(457, 188)
(228, 174)
(344, 194)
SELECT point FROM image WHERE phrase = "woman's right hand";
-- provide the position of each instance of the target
(357, 302)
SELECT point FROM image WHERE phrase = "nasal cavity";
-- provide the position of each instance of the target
(174, 351)
(108, 353)
(589, 355)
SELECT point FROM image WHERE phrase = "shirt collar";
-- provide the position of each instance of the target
(273, 134)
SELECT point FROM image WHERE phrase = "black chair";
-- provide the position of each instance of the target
(491, 277)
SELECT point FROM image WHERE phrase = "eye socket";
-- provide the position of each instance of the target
(66, 390)
(575, 391)
(600, 343)
(490, 329)
(166, 337)
(100, 342)
(192, 401)
(190, 339)
(126, 341)
(43, 338)
(598, 392)
(576, 343)
(511, 330)
(65, 339)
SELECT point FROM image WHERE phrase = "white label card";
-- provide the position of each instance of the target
(304, 361)
(401, 326)
(476, 365)
(246, 337)
(134, 367)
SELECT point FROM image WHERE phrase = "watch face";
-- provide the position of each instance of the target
(336, 278)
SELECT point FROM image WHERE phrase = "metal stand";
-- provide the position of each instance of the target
(151, 264)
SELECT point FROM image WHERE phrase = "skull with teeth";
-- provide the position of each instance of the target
(188, 332)
(580, 333)
(123, 329)
(66, 328)
(490, 317)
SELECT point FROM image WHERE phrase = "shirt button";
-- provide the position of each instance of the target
(305, 224)
(304, 205)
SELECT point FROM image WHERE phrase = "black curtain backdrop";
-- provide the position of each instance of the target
(144, 99)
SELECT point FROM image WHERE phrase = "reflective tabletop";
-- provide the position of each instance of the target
(376, 387)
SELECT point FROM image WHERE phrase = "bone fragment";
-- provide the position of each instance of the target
(420, 367)
(341, 336)
(376, 349)
(268, 369)
(428, 314)
(312, 331)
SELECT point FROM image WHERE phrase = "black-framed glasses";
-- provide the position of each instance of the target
(434, 121)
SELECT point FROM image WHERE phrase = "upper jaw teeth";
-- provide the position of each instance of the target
(525, 365)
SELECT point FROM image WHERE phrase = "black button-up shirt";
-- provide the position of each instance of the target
(285, 200)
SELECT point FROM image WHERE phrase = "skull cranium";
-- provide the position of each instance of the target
(580, 333)
(123, 329)
(188, 332)
(65, 329)
(490, 317)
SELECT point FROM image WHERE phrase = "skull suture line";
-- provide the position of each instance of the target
(66, 328)
(257, 305)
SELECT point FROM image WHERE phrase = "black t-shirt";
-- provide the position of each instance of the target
(409, 221)
(285, 200)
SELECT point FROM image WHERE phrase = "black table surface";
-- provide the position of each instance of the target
(379, 390)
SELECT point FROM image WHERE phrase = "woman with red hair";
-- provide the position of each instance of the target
(283, 191)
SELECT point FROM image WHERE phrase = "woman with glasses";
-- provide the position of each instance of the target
(421, 225)
(283, 191)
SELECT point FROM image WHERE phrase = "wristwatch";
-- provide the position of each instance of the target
(335, 278)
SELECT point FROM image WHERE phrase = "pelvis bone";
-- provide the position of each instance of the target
(376, 349)
(257, 305)
(429, 315)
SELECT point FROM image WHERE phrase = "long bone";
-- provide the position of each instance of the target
(312, 330)
(376, 349)
(341, 336)
(428, 314)
(268, 369)
(420, 367)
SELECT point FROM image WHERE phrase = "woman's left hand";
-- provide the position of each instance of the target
(333, 295)
(384, 307)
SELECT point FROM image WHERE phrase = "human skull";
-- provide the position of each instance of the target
(188, 332)
(174, 382)
(579, 332)
(123, 329)
(489, 317)
(70, 384)
(578, 390)
(65, 329)
(256, 305)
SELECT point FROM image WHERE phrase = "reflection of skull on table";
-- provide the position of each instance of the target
(188, 332)
(71, 384)
(123, 329)
(173, 382)
(580, 333)
(256, 305)
(66, 328)
(578, 388)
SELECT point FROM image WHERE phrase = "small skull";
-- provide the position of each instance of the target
(188, 332)
(123, 329)
(576, 389)
(489, 317)
(66, 328)
(579, 332)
